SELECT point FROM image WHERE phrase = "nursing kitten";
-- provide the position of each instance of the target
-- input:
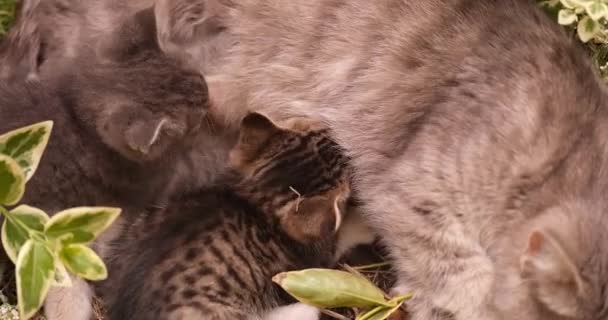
(122, 116)
(212, 254)
(127, 129)
(476, 130)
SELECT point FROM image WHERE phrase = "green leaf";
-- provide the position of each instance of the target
(566, 17)
(12, 181)
(62, 277)
(26, 145)
(80, 225)
(571, 4)
(35, 269)
(18, 225)
(587, 29)
(325, 288)
(597, 10)
(83, 262)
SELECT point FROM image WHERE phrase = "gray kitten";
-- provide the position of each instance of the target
(476, 129)
(130, 124)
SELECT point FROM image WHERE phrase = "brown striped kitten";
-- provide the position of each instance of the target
(211, 255)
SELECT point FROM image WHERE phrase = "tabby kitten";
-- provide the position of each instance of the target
(476, 130)
(212, 254)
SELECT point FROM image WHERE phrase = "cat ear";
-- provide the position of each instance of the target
(255, 131)
(139, 136)
(553, 273)
(312, 218)
(188, 29)
(136, 32)
(143, 135)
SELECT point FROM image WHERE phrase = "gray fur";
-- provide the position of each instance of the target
(470, 123)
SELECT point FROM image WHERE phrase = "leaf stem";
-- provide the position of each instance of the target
(372, 266)
(334, 315)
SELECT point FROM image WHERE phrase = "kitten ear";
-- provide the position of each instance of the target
(255, 131)
(552, 272)
(139, 136)
(142, 135)
(135, 33)
(312, 219)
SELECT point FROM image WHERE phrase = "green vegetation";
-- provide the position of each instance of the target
(45, 251)
(7, 10)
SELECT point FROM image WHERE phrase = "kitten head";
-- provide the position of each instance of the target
(295, 173)
(561, 268)
(139, 102)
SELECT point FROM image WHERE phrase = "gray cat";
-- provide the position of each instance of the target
(130, 125)
(476, 129)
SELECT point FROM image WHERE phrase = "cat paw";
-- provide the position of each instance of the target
(399, 290)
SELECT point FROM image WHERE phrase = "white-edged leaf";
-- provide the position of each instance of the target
(34, 271)
(80, 225)
(83, 262)
(597, 10)
(26, 145)
(587, 29)
(326, 288)
(571, 4)
(566, 17)
(62, 276)
(12, 181)
(17, 226)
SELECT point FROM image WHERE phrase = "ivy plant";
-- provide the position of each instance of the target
(327, 289)
(588, 19)
(44, 250)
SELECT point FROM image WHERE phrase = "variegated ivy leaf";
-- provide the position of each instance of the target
(587, 29)
(18, 224)
(35, 270)
(26, 145)
(571, 4)
(597, 10)
(566, 17)
(80, 225)
(326, 288)
(83, 262)
(12, 181)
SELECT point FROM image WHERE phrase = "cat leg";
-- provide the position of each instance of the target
(298, 311)
(447, 283)
(69, 303)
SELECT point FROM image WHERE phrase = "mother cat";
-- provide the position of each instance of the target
(476, 127)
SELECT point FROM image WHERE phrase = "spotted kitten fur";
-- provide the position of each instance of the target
(212, 254)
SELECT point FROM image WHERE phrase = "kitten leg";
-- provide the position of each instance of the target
(69, 303)
(297, 311)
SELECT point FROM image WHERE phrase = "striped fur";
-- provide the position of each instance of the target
(212, 254)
